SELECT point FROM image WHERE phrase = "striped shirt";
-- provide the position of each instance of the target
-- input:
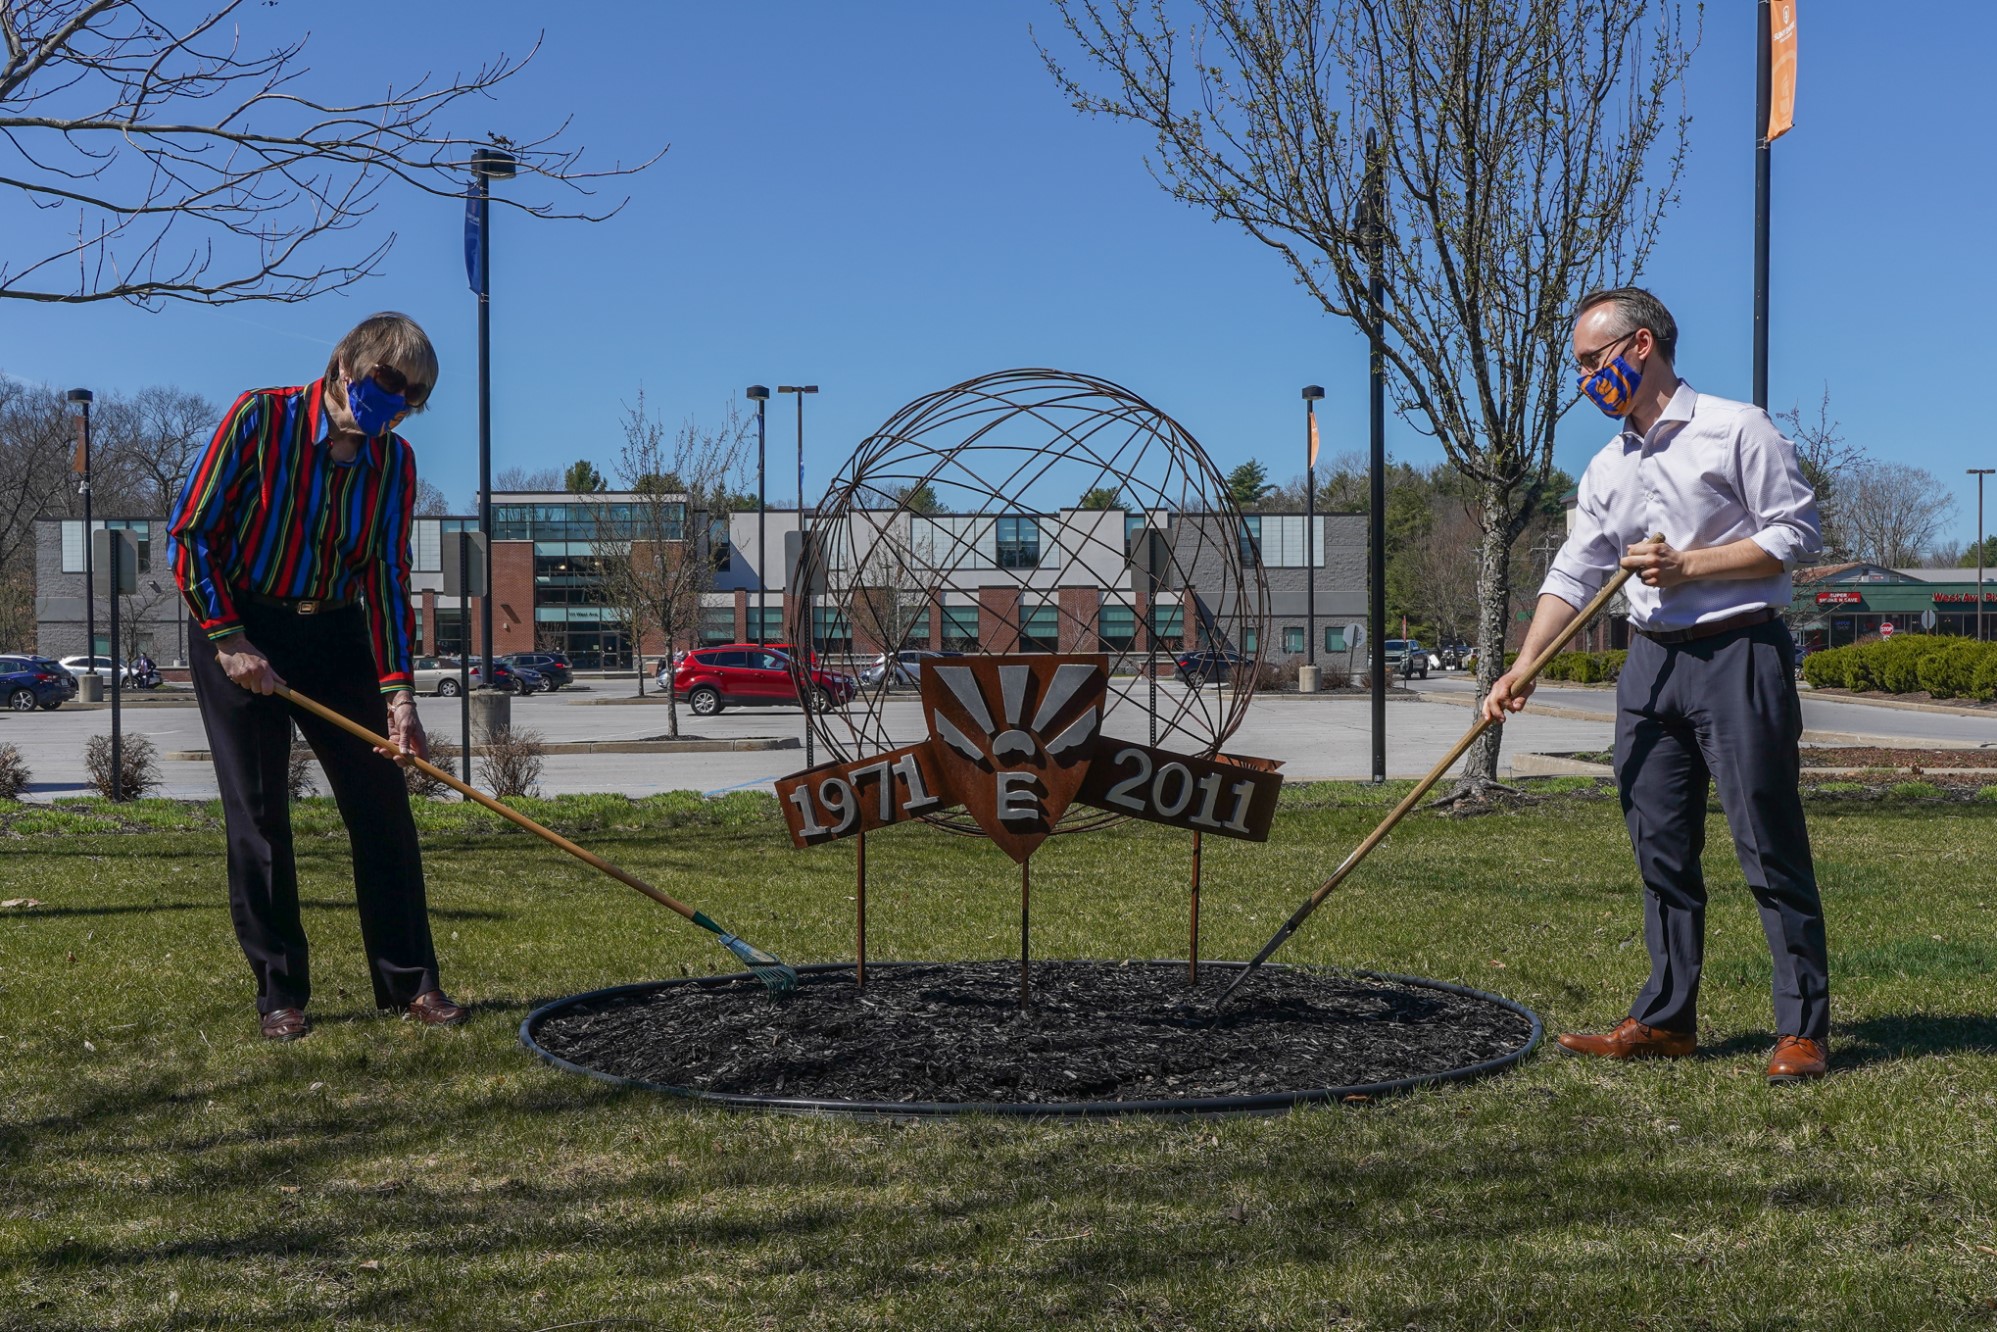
(268, 509)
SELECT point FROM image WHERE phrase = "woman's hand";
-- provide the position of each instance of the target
(245, 664)
(405, 728)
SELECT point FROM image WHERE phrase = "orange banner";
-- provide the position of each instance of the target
(76, 459)
(1313, 461)
(1781, 68)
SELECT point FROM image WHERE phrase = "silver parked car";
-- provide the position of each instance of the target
(906, 665)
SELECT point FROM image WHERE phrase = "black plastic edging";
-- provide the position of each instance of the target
(1262, 1104)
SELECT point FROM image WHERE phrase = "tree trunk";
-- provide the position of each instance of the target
(1494, 600)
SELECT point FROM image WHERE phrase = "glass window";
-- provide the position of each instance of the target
(830, 629)
(717, 537)
(735, 658)
(1119, 628)
(1249, 639)
(1019, 542)
(1168, 626)
(1334, 639)
(717, 624)
(1041, 630)
(960, 628)
(1293, 638)
(772, 622)
(1251, 538)
(918, 632)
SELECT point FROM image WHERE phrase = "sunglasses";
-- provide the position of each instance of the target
(1591, 361)
(391, 380)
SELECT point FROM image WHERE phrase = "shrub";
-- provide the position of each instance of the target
(1984, 685)
(1825, 669)
(1987, 793)
(1950, 670)
(511, 764)
(443, 754)
(1914, 791)
(138, 761)
(1841, 788)
(13, 773)
(1270, 676)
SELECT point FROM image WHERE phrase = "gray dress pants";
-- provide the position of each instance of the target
(1722, 708)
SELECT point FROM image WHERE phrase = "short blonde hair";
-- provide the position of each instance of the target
(394, 339)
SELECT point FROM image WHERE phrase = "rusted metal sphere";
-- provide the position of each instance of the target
(1015, 512)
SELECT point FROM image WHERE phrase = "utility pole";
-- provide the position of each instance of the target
(488, 165)
(1313, 393)
(1374, 223)
(760, 395)
(83, 398)
(1979, 473)
(800, 590)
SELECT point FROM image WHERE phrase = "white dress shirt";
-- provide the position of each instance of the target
(1708, 473)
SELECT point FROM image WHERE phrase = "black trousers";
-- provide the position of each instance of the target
(1721, 708)
(326, 657)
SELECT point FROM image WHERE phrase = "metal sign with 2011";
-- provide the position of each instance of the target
(1015, 740)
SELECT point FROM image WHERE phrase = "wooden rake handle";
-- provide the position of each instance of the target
(473, 793)
(1482, 724)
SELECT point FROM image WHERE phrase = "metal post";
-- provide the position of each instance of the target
(1762, 81)
(1311, 395)
(1025, 889)
(860, 899)
(1193, 948)
(1377, 424)
(803, 591)
(115, 549)
(1979, 473)
(465, 648)
(484, 431)
(82, 398)
(761, 397)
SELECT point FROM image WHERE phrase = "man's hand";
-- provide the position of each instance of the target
(1656, 564)
(245, 664)
(1508, 694)
(405, 728)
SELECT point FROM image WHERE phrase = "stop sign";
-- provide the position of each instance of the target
(1886, 628)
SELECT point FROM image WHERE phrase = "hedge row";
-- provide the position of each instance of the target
(1579, 667)
(1946, 667)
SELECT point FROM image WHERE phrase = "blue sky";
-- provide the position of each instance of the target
(885, 198)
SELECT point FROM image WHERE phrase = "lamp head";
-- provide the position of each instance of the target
(757, 393)
(797, 388)
(81, 395)
(493, 163)
(1312, 392)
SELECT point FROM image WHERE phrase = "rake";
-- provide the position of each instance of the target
(1413, 798)
(774, 974)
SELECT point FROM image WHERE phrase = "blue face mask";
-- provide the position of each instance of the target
(1613, 387)
(373, 406)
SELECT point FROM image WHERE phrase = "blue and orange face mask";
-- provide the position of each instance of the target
(1613, 387)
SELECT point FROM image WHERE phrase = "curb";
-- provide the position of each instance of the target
(689, 745)
(1902, 705)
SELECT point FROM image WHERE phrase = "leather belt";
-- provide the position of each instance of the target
(1710, 629)
(297, 605)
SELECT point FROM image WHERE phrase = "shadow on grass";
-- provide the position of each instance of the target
(1913, 1035)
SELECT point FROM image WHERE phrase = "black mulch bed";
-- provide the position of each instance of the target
(1096, 1032)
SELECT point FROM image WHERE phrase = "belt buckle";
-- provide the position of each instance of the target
(307, 607)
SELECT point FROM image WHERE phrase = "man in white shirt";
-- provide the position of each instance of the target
(1708, 691)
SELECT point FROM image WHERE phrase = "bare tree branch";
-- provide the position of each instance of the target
(1530, 150)
(198, 172)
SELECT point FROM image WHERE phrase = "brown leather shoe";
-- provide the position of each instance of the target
(1632, 1040)
(1798, 1059)
(433, 1008)
(286, 1024)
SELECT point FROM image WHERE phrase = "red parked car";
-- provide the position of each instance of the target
(750, 675)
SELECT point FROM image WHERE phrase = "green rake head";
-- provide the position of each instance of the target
(775, 975)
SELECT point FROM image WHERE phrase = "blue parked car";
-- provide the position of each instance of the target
(27, 683)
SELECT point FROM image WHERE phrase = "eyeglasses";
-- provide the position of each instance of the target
(394, 381)
(1591, 361)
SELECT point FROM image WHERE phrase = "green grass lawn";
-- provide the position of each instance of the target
(161, 1167)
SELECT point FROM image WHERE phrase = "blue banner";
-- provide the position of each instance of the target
(474, 237)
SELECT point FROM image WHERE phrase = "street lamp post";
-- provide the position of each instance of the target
(488, 165)
(1313, 394)
(83, 398)
(802, 591)
(1979, 473)
(760, 395)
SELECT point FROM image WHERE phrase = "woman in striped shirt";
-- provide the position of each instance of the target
(290, 544)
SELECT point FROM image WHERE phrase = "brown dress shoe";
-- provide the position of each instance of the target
(433, 1008)
(286, 1024)
(1632, 1040)
(1798, 1059)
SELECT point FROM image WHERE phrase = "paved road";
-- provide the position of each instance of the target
(1315, 738)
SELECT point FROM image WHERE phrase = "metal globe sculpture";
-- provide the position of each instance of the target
(1034, 511)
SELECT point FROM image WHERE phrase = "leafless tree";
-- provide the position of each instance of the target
(1828, 459)
(656, 557)
(1892, 512)
(523, 478)
(168, 160)
(430, 501)
(1527, 151)
(895, 578)
(37, 447)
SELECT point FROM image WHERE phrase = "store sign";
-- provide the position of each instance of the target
(1840, 599)
(1964, 598)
